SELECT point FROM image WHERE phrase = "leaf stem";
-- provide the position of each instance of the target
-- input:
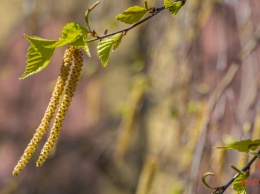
(125, 30)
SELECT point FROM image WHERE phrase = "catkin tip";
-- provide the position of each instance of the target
(39, 163)
(15, 172)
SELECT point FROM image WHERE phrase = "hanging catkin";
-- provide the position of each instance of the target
(54, 101)
(69, 92)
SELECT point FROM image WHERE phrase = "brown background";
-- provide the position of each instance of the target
(148, 121)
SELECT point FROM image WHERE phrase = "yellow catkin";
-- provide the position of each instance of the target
(54, 101)
(148, 176)
(69, 92)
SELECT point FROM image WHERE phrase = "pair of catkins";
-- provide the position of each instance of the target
(66, 81)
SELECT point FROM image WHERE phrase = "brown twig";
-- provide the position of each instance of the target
(125, 30)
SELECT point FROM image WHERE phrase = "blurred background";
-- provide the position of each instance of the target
(147, 123)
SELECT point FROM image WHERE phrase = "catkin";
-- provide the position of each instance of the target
(69, 92)
(54, 101)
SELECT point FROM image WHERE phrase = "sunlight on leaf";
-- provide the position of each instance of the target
(243, 146)
(132, 15)
(41, 50)
(75, 35)
(173, 7)
(239, 185)
(104, 47)
(72, 33)
(117, 40)
(38, 56)
(82, 43)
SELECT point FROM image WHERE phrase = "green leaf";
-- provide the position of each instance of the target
(41, 50)
(104, 47)
(173, 7)
(86, 49)
(117, 40)
(132, 15)
(243, 146)
(75, 35)
(39, 55)
(82, 43)
(71, 33)
(239, 184)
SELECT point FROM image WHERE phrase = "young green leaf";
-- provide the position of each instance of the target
(38, 56)
(86, 48)
(105, 46)
(132, 15)
(173, 7)
(75, 35)
(243, 146)
(71, 33)
(82, 43)
(117, 40)
(239, 184)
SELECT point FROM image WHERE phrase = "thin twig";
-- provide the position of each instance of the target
(125, 30)
(223, 188)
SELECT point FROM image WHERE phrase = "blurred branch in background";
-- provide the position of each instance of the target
(215, 96)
